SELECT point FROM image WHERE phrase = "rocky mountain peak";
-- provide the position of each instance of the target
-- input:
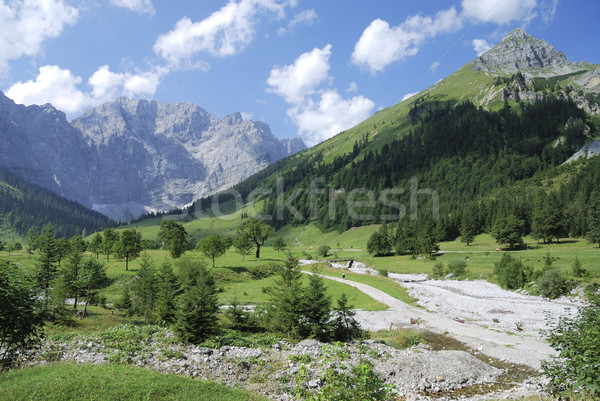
(519, 51)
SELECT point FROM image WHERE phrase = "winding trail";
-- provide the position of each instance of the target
(519, 349)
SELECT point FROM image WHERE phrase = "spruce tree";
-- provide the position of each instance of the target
(317, 307)
(345, 327)
(197, 315)
(144, 289)
(167, 288)
(287, 299)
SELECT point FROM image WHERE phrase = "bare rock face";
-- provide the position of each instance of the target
(130, 156)
(519, 51)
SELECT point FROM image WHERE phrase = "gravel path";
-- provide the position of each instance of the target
(525, 348)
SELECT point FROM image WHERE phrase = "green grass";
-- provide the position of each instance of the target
(64, 381)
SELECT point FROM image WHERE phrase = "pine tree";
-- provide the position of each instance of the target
(593, 219)
(46, 246)
(197, 315)
(144, 289)
(286, 299)
(70, 272)
(468, 227)
(168, 287)
(345, 327)
(317, 307)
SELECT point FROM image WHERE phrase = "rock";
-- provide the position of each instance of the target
(131, 156)
(451, 275)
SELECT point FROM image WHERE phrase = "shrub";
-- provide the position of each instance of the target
(383, 272)
(324, 250)
(577, 341)
(438, 269)
(457, 267)
(510, 273)
(553, 284)
(263, 271)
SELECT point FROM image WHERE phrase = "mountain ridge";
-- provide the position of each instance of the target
(132, 156)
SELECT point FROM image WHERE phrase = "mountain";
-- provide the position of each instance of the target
(130, 156)
(487, 139)
(25, 206)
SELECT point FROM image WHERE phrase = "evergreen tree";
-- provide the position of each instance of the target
(168, 287)
(197, 315)
(468, 227)
(128, 246)
(508, 230)
(345, 327)
(286, 299)
(62, 249)
(317, 307)
(593, 218)
(32, 236)
(70, 272)
(381, 242)
(144, 288)
(46, 246)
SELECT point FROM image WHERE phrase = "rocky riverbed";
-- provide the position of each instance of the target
(416, 373)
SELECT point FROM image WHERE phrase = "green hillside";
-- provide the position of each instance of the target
(24, 206)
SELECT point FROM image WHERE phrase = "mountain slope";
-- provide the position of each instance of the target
(475, 135)
(128, 157)
(24, 206)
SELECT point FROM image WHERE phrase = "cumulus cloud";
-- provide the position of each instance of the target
(26, 24)
(381, 45)
(137, 6)
(61, 88)
(224, 33)
(318, 113)
(499, 11)
(481, 46)
(294, 82)
(352, 87)
(318, 121)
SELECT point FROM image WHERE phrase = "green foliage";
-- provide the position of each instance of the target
(577, 341)
(345, 327)
(457, 267)
(240, 318)
(400, 339)
(25, 206)
(324, 250)
(167, 289)
(468, 227)
(552, 284)
(110, 237)
(381, 242)
(214, 246)
(95, 245)
(21, 320)
(198, 308)
(47, 250)
(510, 273)
(263, 271)
(173, 235)
(242, 245)
(578, 271)
(144, 289)
(438, 269)
(341, 383)
(279, 244)
(303, 358)
(256, 231)
(92, 277)
(317, 308)
(508, 230)
(128, 246)
(593, 218)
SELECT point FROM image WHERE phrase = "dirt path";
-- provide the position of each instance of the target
(522, 349)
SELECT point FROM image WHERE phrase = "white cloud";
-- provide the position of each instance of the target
(548, 9)
(137, 6)
(318, 121)
(499, 11)
(481, 46)
(306, 17)
(224, 33)
(26, 24)
(408, 96)
(296, 81)
(352, 87)
(246, 116)
(380, 44)
(60, 87)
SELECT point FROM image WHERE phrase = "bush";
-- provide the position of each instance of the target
(324, 250)
(438, 269)
(510, 273)
(264, 271)
(577, 341)
(457, 267)
(383, 272)
(553, 284)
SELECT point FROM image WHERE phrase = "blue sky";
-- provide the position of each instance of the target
(308, 68)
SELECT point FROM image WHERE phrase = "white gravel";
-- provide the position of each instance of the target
(480, 302)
